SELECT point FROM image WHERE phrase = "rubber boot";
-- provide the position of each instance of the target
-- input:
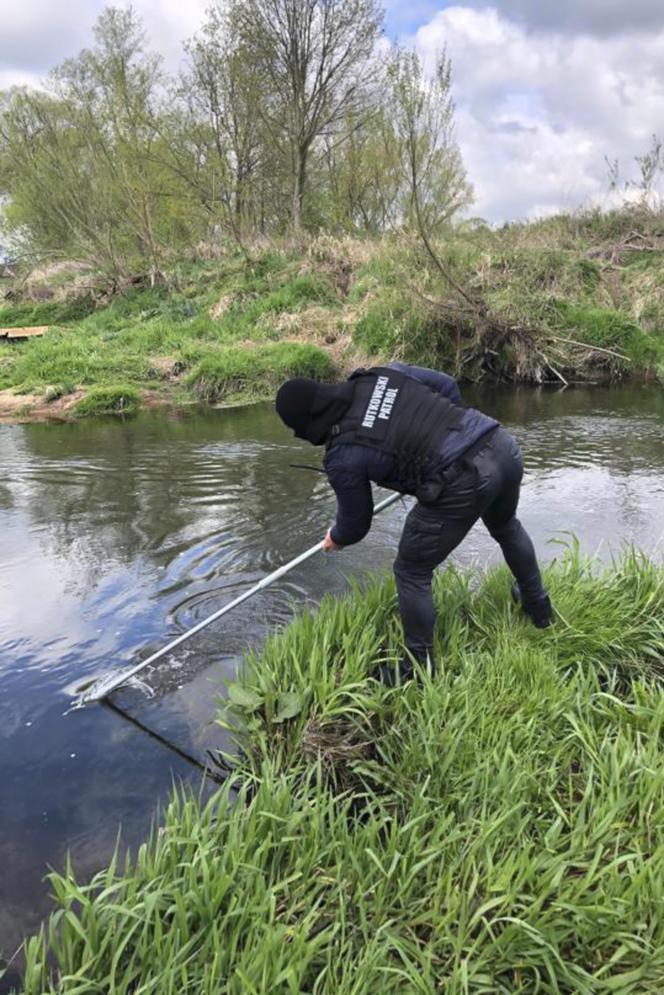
(391, 674)
(539, 612)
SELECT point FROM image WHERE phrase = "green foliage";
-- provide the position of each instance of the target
(367, 181)
(311, 58)
(83, 163)
(233, 371)
(116, 400)
(260, 134)
(420, 136)
(498, 827)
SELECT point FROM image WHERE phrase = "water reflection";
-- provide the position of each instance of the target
(116, 537)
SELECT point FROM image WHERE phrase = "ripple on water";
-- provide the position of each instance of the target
(601, 441)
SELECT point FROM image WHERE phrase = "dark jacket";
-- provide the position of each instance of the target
(351, 468)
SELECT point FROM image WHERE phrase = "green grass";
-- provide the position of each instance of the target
(117, 400)
(498, 828)
(597, 326)
(385, 323)
(59, 390)
(47, 313)
(233, 371)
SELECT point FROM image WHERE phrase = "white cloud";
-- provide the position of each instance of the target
(537, 111)
(19, 77)
(36, 35)
(168, 23)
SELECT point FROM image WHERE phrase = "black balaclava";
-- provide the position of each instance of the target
(311, 408)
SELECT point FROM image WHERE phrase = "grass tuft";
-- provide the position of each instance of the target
(117, 400)
(56, 391)
(234, 371)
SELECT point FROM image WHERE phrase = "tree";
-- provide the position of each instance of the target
(222, 126)
(113, 91)
(287, 113)
(57, 201)
(82, 165)
(361, 175)
(312, 58)
(420, 130)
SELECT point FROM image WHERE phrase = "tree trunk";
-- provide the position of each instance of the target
(299, 184)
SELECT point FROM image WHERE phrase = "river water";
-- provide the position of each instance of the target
(115, 537)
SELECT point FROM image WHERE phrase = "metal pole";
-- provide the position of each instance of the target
(103, 686)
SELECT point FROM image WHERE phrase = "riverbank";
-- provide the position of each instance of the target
(568, 299)
(495, 828)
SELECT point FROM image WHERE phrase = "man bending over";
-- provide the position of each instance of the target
(403, 427)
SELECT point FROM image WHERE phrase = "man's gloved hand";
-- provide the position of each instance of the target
(329, 545)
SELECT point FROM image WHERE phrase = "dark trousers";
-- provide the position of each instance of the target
(487, 487)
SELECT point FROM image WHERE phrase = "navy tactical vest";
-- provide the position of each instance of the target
(402, 417)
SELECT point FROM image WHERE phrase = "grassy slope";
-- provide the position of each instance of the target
(218, 338)
(496, 829)
(232, 331)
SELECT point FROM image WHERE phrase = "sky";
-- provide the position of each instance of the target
(545, 90)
